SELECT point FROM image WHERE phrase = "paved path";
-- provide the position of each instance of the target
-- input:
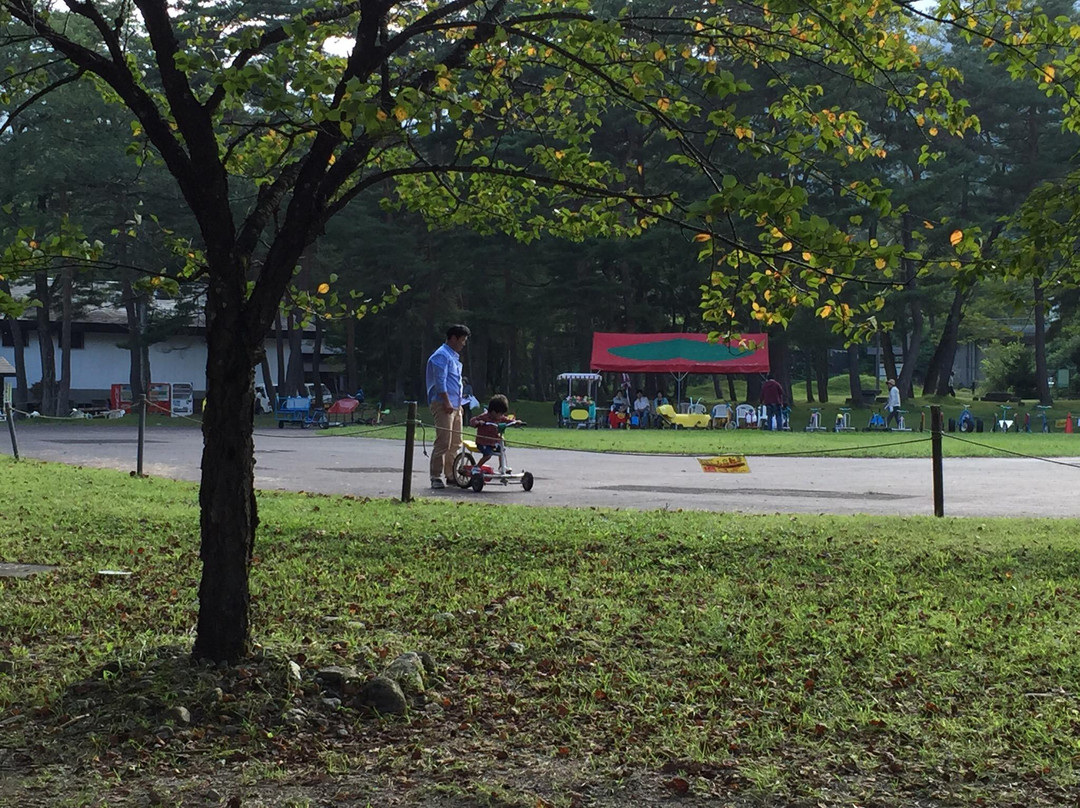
(306, 460)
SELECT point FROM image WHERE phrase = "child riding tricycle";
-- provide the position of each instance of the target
(490, 426)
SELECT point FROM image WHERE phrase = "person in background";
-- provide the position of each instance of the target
(642, 409)
(892, 406)
(772, 396)
(443, 378)
(658, 402)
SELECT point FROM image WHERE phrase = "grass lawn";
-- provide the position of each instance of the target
(583, 658)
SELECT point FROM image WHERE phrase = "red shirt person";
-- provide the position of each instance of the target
(772, 396)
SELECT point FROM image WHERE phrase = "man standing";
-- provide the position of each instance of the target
(892, 406)
(444, 390)
(772, 396)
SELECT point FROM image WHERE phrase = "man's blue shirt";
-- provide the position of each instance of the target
(444, 375)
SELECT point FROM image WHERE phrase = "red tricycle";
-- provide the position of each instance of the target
(469, 475)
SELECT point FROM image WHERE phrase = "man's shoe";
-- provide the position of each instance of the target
(436, 482)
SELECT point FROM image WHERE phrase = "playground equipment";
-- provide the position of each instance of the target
(299, 410)
(814, 424)
(966, 421)
(685, 420)
(578, 411)
(469, 475)
(901, 422)
(1003, 422)
(843, 420)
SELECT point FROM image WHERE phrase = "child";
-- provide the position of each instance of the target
(488, 439)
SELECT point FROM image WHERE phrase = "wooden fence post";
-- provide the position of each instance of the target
(410, 440)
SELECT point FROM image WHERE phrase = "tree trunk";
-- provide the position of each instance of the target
(1042, 380)
(809, 364)
(888, 358)
(906, 381)
(294, 376)
(937, 374)
(63, 393)
(821, 371)
(854, 379)
(352, 372)
(279, 339)
(316, 363)
(732, 396)
(139, 375)
(22, 390)
(268, 381)
(227, 489)
(45, 343)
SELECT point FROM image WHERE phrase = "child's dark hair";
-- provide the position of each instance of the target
(498, 403)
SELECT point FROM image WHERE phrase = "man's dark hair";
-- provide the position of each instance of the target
(458, 330)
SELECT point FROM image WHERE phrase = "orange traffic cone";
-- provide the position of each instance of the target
(1068, 423)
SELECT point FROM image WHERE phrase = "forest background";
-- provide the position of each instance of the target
(73, 170)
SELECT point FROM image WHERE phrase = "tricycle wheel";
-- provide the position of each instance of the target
(527, 481)
(477, 483)
(463, 464)
(280, 424)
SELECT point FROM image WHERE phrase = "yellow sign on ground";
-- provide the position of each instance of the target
(725, 464)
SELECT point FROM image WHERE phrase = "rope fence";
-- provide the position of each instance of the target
(411, 423)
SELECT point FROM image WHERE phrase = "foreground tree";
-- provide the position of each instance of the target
(273, 119)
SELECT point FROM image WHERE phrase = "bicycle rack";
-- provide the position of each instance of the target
(843, 420)
(815, 421)
(901, 425)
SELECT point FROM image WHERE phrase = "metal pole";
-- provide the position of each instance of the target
(142, 435)
(410, 439)
(935, 443)
(11, 428)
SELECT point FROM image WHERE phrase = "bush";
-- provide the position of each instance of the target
(1010, 366)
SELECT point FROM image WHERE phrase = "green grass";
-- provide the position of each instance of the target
(771, 660)
(758, 442)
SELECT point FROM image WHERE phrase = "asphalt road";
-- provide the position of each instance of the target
(318, 461)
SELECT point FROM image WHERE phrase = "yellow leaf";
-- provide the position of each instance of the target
(324, 288)
(956, 237)
(640, 168)
(559, 154)
(663, 104)
(1048, 74)
(444, 83)
(381, 115)
(928, 225)
(825, 311)
(702, 237)
(331, 159)
(660, 55)
(920, 119)
(786, 246)
(807, 256)
(933, 131)
(880, 263)
(400, 113)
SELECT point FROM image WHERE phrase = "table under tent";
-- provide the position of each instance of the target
(679, 354)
